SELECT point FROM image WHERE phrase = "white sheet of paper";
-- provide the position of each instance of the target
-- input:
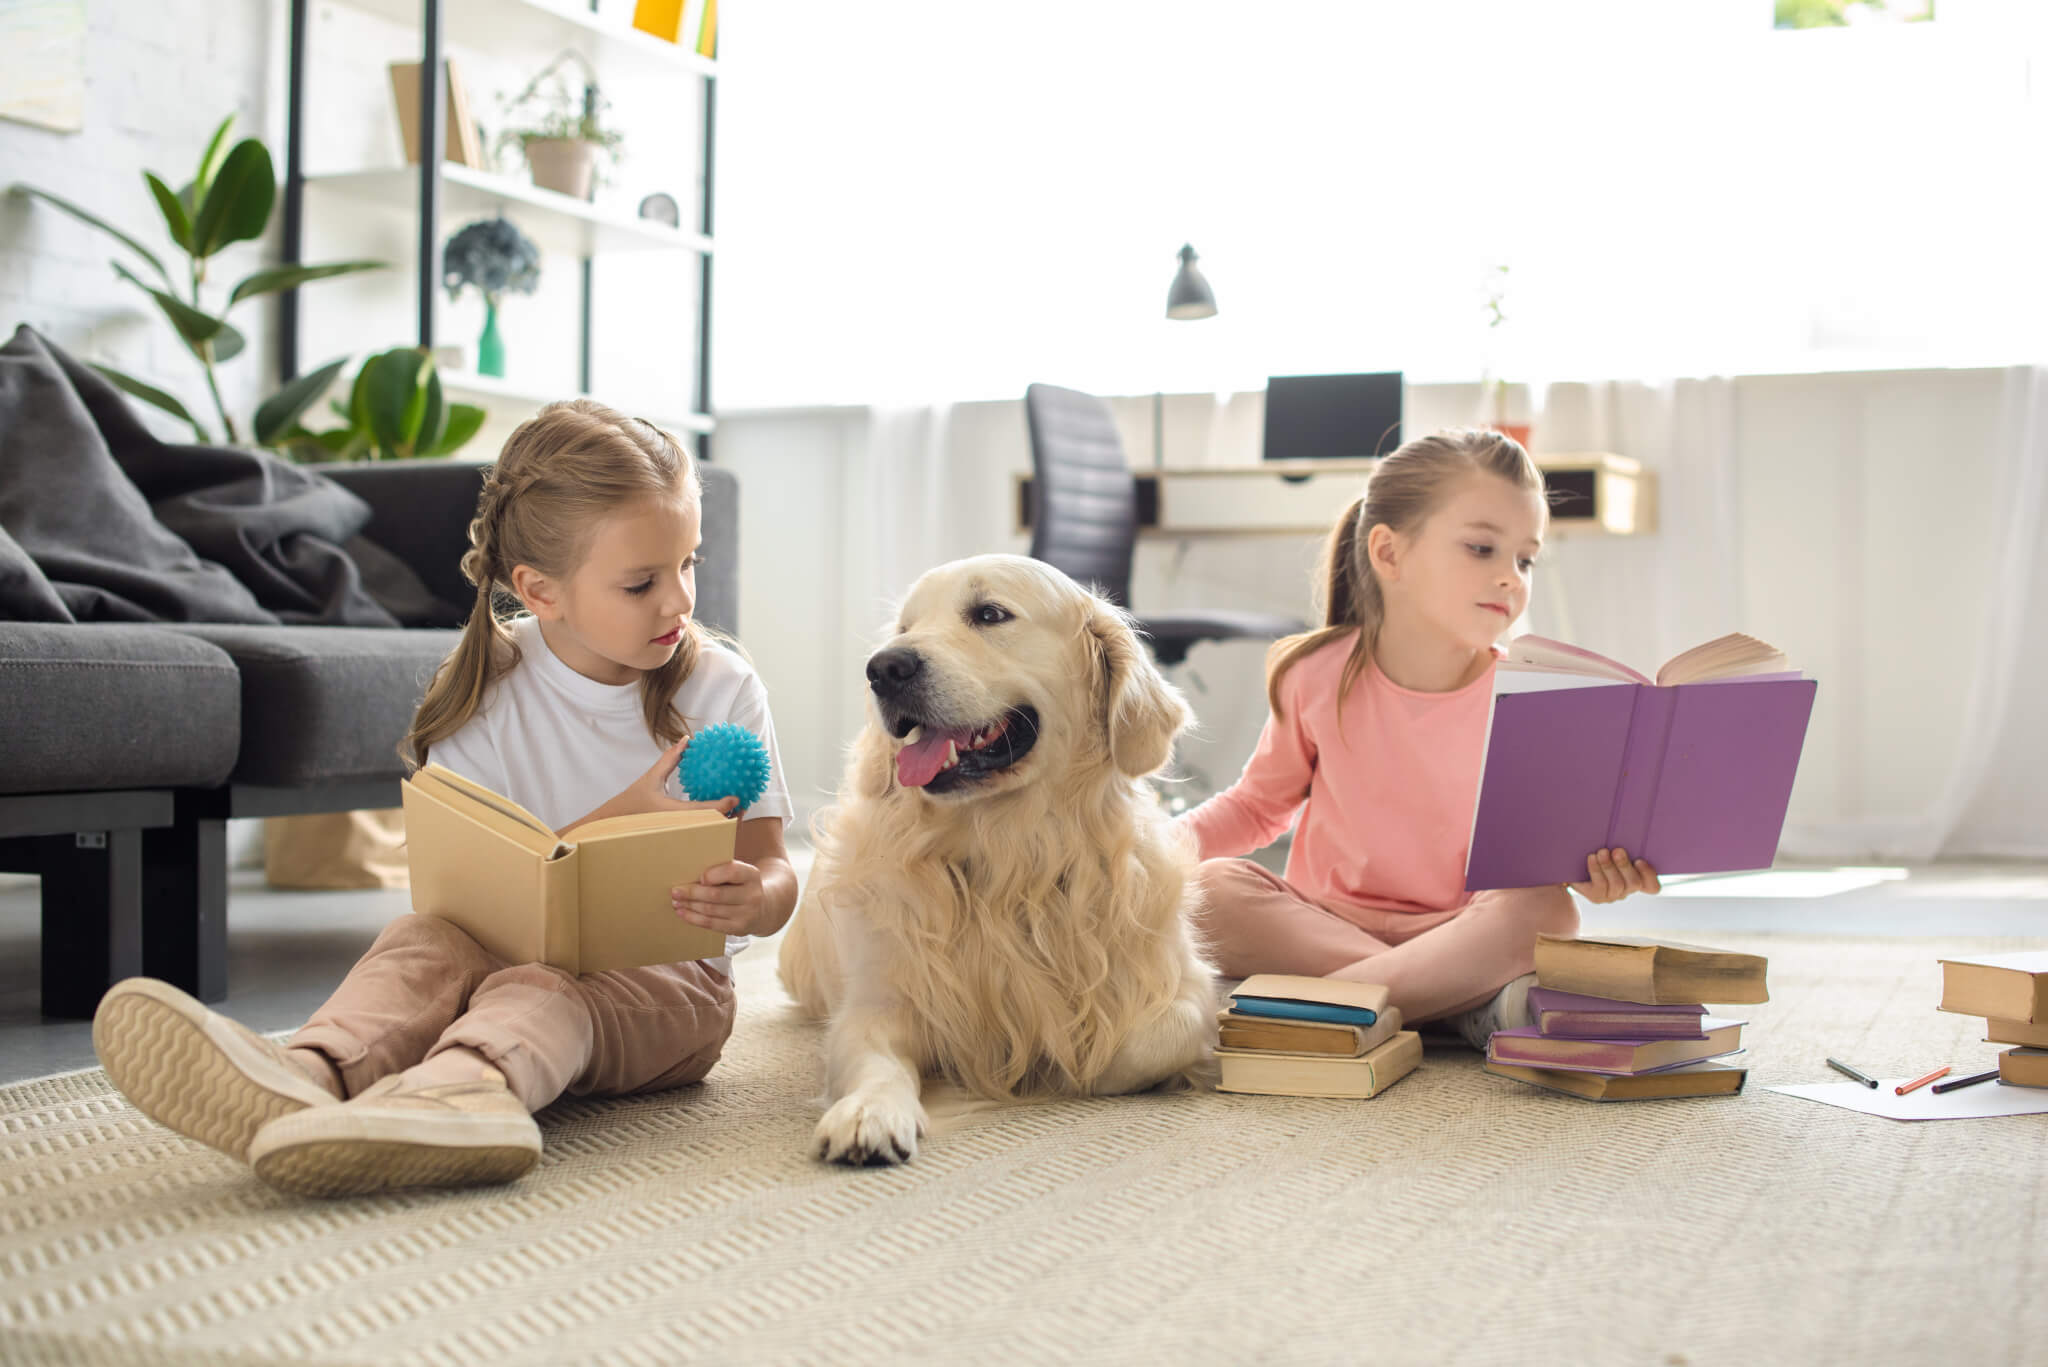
(1964, 1103)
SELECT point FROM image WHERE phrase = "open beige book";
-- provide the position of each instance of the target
(1732, 656)
(596, 901)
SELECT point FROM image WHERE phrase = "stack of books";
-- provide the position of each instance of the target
(2011, 992)
(1285, 1035)
(1621, 1019)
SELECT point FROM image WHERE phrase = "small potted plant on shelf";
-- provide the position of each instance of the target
(495, 257)
(562, 130)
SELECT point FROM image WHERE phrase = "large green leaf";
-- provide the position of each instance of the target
(192, 325)
(209, 164)
(228, 343)
(344, 444)
(281, 412)
(275, 278)
(236, 207)
(150, 394)
(392, 398)
(357, 413)
(175, 216)
(463, 421)
(426, 392)
(82, 216)
(433, 417)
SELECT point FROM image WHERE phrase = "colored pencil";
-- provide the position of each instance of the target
(1846, 1071)
(1905, 1087)
(1969, 1081)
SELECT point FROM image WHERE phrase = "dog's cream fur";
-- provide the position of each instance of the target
(1028, 935)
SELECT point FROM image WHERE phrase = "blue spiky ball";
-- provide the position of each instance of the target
(726, 760)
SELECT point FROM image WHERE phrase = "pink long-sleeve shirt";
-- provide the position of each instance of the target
(1385, 802)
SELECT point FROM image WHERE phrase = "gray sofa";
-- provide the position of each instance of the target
(129, 746)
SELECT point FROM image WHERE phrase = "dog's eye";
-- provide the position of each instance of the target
(988, 615)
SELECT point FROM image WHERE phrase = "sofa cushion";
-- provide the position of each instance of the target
(325, 704)
(114, 705)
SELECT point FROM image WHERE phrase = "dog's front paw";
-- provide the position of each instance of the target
(869, 1130)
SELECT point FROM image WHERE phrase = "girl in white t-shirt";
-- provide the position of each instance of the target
(425, 1066)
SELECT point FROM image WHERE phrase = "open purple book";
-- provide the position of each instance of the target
(1691, 771)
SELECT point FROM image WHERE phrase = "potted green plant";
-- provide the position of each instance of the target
(563, 130)
(228, 200)
(395, 411)
(493, 256)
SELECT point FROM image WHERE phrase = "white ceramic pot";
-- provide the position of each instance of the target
(565, 165)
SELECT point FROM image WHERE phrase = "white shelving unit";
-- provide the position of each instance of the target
(554, 24)
(438, 197)
(487, 389)
(554, 221)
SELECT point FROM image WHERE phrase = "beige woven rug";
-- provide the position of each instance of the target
(1459, 1218)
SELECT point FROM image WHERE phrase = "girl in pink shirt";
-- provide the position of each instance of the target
(1372, 754)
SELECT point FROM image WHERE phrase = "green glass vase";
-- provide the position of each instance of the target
(490, 348)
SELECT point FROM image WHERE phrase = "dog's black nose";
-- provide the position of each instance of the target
(889, 670)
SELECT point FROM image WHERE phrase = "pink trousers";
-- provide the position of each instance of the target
(1433, 963)
(425, 986)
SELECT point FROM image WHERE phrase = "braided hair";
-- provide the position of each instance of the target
(558, 475)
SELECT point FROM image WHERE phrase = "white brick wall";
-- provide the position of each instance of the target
(160, 74)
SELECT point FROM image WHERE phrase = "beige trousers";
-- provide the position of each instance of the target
(425, 986)
(1433, 963)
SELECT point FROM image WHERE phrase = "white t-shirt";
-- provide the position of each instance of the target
(562, 745)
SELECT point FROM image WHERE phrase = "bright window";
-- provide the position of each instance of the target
(945, 200)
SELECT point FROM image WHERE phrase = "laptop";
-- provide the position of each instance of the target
(1332, 417)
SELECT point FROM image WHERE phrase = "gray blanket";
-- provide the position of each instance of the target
(101, 521)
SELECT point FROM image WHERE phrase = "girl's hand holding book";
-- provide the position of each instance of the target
(1612, 875)
(728, 897)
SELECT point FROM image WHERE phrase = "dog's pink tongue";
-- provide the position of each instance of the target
(919, 763)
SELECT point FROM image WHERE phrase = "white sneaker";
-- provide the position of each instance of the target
(395, 1135)
(1507, 1010)
(194, 1070)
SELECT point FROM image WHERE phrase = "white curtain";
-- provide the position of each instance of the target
(1996, 799)
(1644, 599)
(1708, 570)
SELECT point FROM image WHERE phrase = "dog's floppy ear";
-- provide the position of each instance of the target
(1141, 711)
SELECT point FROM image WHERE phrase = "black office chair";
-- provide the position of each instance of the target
(1084, 520)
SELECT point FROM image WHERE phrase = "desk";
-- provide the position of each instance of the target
(1601, 494)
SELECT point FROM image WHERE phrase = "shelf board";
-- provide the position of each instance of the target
(554, 221)
(487, 389)
(550, 25)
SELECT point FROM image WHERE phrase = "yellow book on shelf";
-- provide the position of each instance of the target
(596, 901)
(662, 18)
(707, 31)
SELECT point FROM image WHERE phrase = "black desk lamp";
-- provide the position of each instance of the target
(1189, 298)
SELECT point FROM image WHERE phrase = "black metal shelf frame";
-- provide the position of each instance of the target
(433, 134)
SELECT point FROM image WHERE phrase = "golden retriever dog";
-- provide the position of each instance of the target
(998, 899)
